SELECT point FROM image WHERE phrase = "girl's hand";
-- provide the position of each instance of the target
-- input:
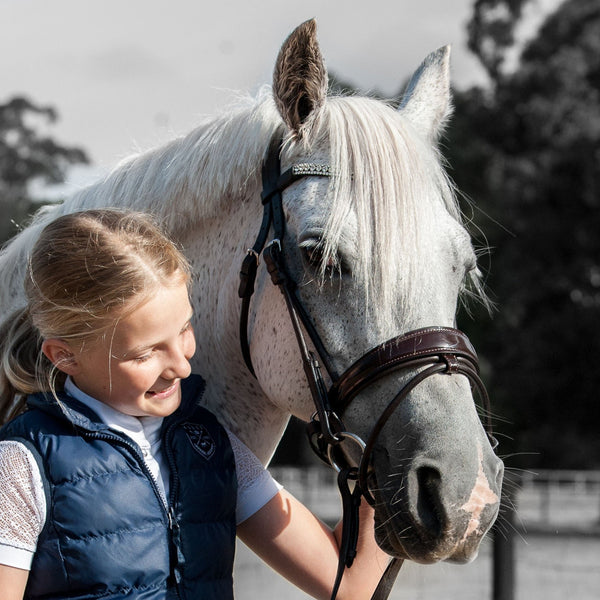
(290, 539)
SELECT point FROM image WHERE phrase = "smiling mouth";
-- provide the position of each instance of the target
(164, 393)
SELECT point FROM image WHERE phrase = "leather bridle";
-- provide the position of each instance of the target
(432, 350)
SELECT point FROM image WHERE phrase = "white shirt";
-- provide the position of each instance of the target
(22, 498)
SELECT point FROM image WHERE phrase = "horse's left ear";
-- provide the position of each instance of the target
(300, 77)
(426, 101)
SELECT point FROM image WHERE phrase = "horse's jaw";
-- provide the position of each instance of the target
(232, 393)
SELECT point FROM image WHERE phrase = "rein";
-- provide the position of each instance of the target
(433, 350)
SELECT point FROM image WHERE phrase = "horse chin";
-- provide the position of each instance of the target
(395, 539)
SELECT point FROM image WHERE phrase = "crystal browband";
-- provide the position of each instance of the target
(312, 169)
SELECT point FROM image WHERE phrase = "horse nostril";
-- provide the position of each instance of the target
(429, 503)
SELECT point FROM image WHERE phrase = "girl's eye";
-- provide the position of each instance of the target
(141, 359)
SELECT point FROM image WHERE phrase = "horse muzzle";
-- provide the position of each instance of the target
(434, 506)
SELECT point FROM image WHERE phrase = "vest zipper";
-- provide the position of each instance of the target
(167, 505)
(173, 473)
(173, 523)
(135, 450)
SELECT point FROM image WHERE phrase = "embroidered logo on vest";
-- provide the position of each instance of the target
(200, 439)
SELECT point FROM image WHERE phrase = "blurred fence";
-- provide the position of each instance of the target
(554, 544)
(556, 501)
(559, 505)
(559, 501)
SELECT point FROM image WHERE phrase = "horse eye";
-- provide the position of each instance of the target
(313, 256)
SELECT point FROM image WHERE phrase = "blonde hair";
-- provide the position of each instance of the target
(87, 270)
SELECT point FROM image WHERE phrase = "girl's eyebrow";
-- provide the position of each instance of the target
(145, 347)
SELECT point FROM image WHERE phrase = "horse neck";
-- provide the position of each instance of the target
(216, 248)
(194, 185)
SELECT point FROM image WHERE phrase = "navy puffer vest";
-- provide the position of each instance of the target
(108, 533)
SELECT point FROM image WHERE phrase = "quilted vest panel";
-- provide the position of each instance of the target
(108, 533)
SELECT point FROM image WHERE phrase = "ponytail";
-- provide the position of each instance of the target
(23, 367)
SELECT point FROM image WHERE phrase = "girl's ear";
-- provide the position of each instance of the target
(59, 353)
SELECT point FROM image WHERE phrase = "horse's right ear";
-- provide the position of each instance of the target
(300, 77)
(426, 101)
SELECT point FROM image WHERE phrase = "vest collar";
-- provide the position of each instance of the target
(64, 406)
(81, 415)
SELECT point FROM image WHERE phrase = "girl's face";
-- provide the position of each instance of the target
(137, 367)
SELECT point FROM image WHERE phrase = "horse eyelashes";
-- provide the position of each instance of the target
(315, 257)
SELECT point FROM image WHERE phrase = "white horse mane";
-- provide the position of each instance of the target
(384, 170)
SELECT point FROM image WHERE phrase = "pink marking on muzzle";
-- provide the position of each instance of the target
(481, 496)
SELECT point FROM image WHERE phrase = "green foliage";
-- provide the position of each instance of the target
(25, 155)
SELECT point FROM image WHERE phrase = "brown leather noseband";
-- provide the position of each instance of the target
(430, 350)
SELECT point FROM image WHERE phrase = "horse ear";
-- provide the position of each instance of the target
(300, 77)
(426, 101)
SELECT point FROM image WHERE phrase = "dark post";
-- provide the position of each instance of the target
(504, 548)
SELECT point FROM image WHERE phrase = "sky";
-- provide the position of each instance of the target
(126, 75)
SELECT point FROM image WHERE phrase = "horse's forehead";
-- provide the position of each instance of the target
(308, 204)
(317, 151)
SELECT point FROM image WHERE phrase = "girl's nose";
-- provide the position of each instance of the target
(179, 368)
(178, 365)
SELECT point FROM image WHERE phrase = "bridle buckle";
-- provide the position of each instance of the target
(252, 252)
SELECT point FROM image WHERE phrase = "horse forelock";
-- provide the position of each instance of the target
(396, 185)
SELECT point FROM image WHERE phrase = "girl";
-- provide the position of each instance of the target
(114, 482)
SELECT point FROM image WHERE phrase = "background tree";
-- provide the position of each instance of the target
(532, 162)
(491, 32)
(26, 154)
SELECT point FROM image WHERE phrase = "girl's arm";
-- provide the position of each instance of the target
(13, 582)
(294, 542)
(22, 516)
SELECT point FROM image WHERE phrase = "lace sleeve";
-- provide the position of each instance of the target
(22, 505)
(255, 484)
